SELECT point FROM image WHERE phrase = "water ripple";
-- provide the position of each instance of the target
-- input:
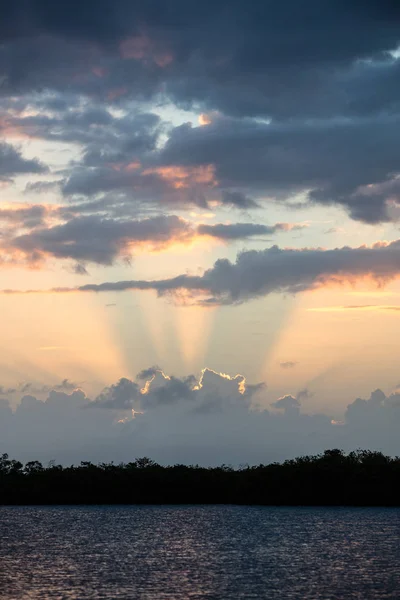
(204, 552)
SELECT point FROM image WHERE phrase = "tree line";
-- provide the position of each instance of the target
(358, 478)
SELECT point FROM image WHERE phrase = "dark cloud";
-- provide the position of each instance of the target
(147, 374)
(107, 139)
(98, 240)
(12, 163)
(210, 420)
(232, 56)
(80, 269)
(240, 231)
(238, 162)
(238, 200)
(93, 238)
(289, 404)
(369, 421)
(27, 217)
(299, 100)
(164, 390)
(274, 270)
(39, 187)
(29, 387)
(119, 396)
(352, 163)
(161, 390)
(65, 385)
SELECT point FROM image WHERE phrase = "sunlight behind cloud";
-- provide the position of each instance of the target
(193, 327)
(333, 341)
(30, 346)
(218, 187)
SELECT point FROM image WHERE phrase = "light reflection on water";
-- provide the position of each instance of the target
(213, 552)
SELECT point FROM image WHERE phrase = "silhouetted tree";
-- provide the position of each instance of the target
(362, 477)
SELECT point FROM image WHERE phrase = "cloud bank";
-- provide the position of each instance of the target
(34, 233)
(290, 100)
(208, 420)
(274, 270)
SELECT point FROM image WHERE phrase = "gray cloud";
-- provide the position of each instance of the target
(38, 187)
(238, 200)
(80, 269)
(161, 390)
(31, 216)
(237, 58)
(274, 270)
(291, 110)
(13, 163)
(165, 390)
(106, 138)
(209, 420)
(330, 161)
(352, 163)
(29, 387)
(239, 231)
(240, 162)
(289, 404)
(97, 239)
(119, 396)
(148, 373)
(301, 98)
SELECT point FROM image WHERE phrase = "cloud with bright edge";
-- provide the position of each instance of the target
(208, 420)
(274, 270)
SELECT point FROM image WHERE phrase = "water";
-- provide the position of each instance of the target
(213, 552)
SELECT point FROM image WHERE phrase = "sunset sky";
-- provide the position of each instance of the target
(189, 186)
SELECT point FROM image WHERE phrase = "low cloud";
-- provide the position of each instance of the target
(26, 216)
(35, 233)
(119, 396)
(289, 404)
(28, 387)
(284, 109)
(274, 270)
(147, 374)
(259, 273)
(99, 240)
(240, 231)
(12, 163)
(209, 420)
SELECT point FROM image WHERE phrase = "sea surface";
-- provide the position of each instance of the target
(196, 552)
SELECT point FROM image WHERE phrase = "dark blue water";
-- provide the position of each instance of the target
(211, 552)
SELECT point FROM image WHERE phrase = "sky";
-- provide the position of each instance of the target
(199, 229)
